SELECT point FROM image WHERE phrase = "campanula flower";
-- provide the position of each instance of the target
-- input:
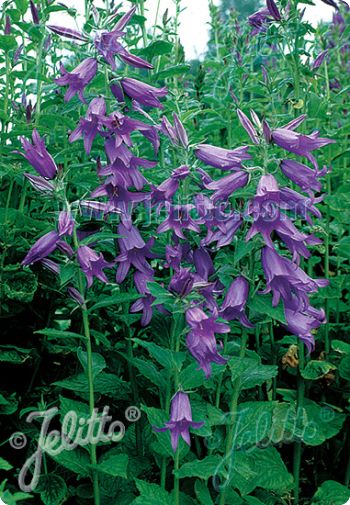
(235, 301)
(77, 79)
(38, 156)
(248, 126)
(143, 93)
(91, 125)
(92, 264)
(319, 60)
(42, 248)
(180, 420)
(303, 176)
(179, 219)
(218, 157)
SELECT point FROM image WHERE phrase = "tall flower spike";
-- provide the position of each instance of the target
(180, 420)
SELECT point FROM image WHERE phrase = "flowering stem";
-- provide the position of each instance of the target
(300, 404)
(233, 412)
(176, 479)
(7, 91)
(90, 377)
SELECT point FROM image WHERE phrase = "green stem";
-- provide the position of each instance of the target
(272, 341)
(176, 479)
(142, 13)
(39, 58)
(90, 378)
(300, 405)
(156, 20)
(5, 228)
(233, 411)
(7, 90)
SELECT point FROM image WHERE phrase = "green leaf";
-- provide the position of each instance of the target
(151, 494)
(5, 465)
(20, 286)
(162, 295)
(13, 354)
(157, 48)
(105, 383)
(98, 361)
(164, 357)
(51, 333)
(203, 493)
(331, 493)
(7, 42)
(77, 461)
(115, 465)
(22, 5)
(202, 468)
(118, 299)
(322, 423)
(262, 305)
(340, 346)
(251, 372)
(52, 489)
(316, 369)
(149, 370)
(172, 71)
(344, 367)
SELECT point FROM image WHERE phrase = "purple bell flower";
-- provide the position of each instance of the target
(180, 420)
(319, 60)
(78, 79)
(65, 224)
(227, 185)
(34, 12)
(235, 301)
(248, 126)
(167, 189)
(42, 248)
(303, 176)
(133, 252)
(39, 183)
(177, 133)
(69, 33)
(38, 156)
(182, 282)
(273, 10)
(144, 304)
(143, 93)
(179, 219)
(225, 159)
(201, 341)
(91, 125)
(92, 264)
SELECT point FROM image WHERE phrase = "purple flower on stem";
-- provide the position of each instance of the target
(182, 282)
(90, 125)
(235, 301)
(92, 264)
(301, 324)
(180, 420)
(144, 304)
(74, 293)
(143, 93)
(78, 79)
(225, 159)
(297, 143)
(177, 133)
(319, 60)
(39, 183)
(133, 252)
(42, 248)
(201, 341)
(70, 33)
(65, 224)
(38, 156)
(7, 29)
(167, 189)
(34, 12)
(179, 219)
(225, 186)
(248, 126)
(273, 10)
(303, 176)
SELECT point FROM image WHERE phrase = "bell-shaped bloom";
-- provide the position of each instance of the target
(227, 185)
(167, 189)
(201, 341)
(259, 21)
(319, 60)
(65, 224)
(144, 304)
(273, 10)
(179, 219)
(225, 159)
(300, 204)
(34, 12)
(303, 176)
(91, 125)
(180, 420)
(78, 79)
(235, 301)
(300, 144)
(285, 279)
(38, 156)
(302, 323)
(92, 264)
(69, 33)
(182, 282)
(174, 254)
(42, 248)
(75, 295)
(177, 133)
(143, 93)
(248, 126)
(39, 183)
(7, 29)
(133, 252)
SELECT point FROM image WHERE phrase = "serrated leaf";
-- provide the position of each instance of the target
(316, 369)
(262, 305)
(331, 493)
(52, 489)
(52, 333)
(201, 468)
(115, 465)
